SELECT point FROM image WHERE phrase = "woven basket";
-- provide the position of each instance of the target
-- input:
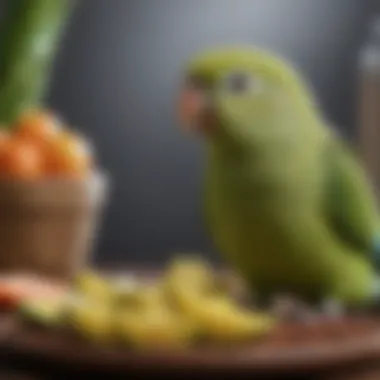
(49, 227)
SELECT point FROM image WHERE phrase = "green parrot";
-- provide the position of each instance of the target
(287, 203)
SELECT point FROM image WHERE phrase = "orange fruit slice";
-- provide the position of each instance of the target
(21, 160)
(69, 155)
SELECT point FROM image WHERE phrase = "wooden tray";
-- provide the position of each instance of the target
(326, 347)
(298, 349)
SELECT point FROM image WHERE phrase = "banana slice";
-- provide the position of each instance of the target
(91, 320)
(157, 328)
(140, 298)
(192, 269)
(150, 297)
(219, 319)
(218, 316)
(188, 302)
(48, 313)
(191, 273)
(93, 286)
(125, 291)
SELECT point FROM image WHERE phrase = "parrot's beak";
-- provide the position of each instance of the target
(193, 109)
(190, 107)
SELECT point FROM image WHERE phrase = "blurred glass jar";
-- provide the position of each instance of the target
(369, 103)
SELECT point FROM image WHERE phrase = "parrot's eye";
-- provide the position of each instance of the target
(240, 83)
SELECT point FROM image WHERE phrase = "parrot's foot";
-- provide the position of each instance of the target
(332, 308)
(292, 309)
(289, 308)
(373, 305)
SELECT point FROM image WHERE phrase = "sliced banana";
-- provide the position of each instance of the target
(190, 274)
(92, 321)
(192, 269)
(216, 314)
(188, 302)
(48, 313)
(155, 328)
(93, 286)
(125, 292)
(219, 319)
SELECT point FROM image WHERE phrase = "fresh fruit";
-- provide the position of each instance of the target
(91, 320)
(40, 145)
(193, 273)
(48, 313)
(194, 288)
(93, 287)
(17, 289)
(21, 160)
(125, 291)
(9, 297)
(149, 297)
(69, 155)
(176, 311)
(4, 139)
(221, 320)
(38, 126)
(155, 328)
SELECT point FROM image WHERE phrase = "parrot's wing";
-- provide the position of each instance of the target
(351, 204)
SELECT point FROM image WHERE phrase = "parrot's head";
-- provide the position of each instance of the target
(237, 92)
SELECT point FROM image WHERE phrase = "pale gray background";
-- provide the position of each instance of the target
(116, 79)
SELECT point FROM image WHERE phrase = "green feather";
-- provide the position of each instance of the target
(350, 203)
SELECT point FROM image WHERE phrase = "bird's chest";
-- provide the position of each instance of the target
(260, 191)
(255, 210)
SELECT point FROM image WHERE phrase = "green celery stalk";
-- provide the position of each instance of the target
(29, 40)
